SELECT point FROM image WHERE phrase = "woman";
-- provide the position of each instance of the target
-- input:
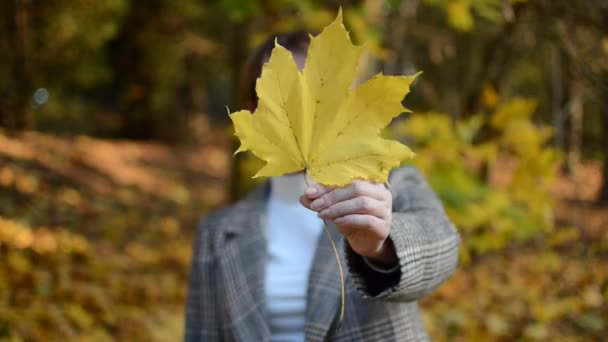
(263, 270)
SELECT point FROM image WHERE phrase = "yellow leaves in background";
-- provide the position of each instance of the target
(19, 241)
(95, 235)
(496, 191)
(520, 133)
(531, 294)
(313, 121)
(70, 197)
(41, 240)
(460, 13)
(489, 96)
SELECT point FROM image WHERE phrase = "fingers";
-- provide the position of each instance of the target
(315, 190)
(356, 189)
(353, 223)
(312, 192)
(358, 205)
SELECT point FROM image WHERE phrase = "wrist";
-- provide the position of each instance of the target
(386, 255)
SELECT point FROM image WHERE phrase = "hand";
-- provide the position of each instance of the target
(362, 212)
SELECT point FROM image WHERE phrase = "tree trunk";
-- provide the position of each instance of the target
(603, 196)
(557, 99)
(576, 126)
(15, 111)
(238, 55)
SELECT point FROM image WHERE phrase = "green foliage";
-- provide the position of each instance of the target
(459, 13)
(495, 189)
(117, 68)
(94, 247)
(239, 10)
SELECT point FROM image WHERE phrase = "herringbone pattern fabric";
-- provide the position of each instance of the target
(226, 289)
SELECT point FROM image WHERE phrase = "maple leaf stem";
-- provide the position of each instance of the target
(337, 255)
(342, 289)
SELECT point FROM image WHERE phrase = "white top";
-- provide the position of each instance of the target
(293, 232)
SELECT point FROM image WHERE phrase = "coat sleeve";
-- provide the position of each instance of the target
(425, 240)
(201, 321)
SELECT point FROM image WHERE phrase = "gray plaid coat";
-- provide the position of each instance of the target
(226, 289)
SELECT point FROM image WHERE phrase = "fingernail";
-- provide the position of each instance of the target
(317, 203)
(310, 190)
(323, 213)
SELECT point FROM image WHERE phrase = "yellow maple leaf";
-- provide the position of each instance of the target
(313, 121)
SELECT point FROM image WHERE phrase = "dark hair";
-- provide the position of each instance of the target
(296, 42)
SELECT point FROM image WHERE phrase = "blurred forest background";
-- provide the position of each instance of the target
(114, 140)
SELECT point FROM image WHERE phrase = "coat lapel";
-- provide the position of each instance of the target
(242, 259)
(323, 303)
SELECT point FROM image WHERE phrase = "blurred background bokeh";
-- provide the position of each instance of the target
(114, 141)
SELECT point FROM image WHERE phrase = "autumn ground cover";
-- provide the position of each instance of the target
(95, 236)
(553, 288)
(95, 242)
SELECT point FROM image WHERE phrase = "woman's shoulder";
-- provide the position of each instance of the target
(406, 174)
(214, 217)
(231, 213)
(209, 226)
